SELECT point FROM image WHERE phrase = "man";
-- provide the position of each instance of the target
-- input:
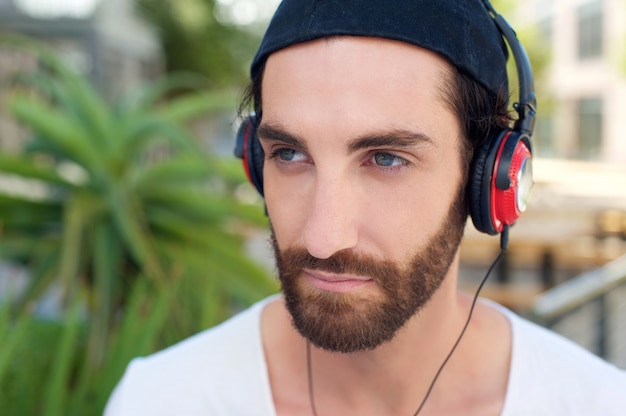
(371, 119)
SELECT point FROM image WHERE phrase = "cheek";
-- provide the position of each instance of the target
(285, 208)
(399, 224)
(401, 221)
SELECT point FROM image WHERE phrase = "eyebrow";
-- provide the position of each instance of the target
(277, 134)
(395, 138)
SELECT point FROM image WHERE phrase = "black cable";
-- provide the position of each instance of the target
(504, 242)
(310, 377)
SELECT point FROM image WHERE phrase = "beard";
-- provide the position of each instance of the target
(349, 322)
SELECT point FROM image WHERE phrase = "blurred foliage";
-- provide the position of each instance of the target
(132, 222)
(46, 358)
(194, 39)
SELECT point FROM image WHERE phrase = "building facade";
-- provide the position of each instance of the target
(585, 80)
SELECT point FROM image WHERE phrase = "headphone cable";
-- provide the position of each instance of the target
(504, 243)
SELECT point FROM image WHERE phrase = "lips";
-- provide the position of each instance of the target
(331, 282)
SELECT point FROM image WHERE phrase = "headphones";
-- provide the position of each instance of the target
(500, 177)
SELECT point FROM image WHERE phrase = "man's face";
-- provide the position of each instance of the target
(362, 181)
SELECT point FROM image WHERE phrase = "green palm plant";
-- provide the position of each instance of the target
(127, 195)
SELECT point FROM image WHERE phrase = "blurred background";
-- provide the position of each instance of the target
(126, 224)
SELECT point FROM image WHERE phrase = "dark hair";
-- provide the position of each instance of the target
(479, 111)
(252, 97)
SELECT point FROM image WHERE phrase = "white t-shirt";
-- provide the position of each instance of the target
(222, 371)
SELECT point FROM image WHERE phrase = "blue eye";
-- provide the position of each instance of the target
(387, 160)
(288, 155)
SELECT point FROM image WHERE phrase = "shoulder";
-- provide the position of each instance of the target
(552, 375)
(197, 375)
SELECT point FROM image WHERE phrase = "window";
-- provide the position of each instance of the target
(589, 128)
(590, 38)
(546, 30)
(543, 139)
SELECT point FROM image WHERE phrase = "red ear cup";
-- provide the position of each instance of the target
(511, 181)
(248, 148)
(500, 181)
(241, 145)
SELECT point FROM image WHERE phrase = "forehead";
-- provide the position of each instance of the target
(359, 80)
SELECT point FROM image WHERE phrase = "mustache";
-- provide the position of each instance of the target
(293, 260)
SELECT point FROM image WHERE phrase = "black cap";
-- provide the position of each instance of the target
(460, 30)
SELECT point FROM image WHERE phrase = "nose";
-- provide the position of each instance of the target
(331, 223)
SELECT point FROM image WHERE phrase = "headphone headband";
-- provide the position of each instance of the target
(527, 106)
